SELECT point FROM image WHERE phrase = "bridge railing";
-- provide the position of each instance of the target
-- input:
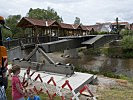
(28, 40)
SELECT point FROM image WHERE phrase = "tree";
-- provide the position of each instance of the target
(127, 42)
(77, 20)
(126, 32)
(49, 14)
(11, 22)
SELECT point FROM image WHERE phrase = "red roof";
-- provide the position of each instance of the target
(30, 22)
(124, 23)
(35, 22)
(76, 26)
(90, 27)
(84, 28)
(66, 26)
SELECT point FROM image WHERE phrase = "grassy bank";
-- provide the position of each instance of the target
(116, 93)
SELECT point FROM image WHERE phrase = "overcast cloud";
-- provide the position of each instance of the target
(89, 11)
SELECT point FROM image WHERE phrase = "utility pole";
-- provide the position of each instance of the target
(117, 25)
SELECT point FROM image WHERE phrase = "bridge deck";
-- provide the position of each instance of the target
(77, 37)
(93, 40)
(99, 40)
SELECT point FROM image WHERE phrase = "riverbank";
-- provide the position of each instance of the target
(100, 64)
(114, 89)
(106, 89)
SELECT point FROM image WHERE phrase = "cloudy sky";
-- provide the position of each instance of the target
(89, 11)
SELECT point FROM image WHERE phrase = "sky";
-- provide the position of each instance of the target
(89, 11)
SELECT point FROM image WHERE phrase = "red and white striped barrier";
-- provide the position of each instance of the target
(25, 81)
(58, 89)
(86, 88)
(52, 80)
(75, 96)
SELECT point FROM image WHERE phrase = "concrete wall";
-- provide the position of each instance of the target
(16, 52)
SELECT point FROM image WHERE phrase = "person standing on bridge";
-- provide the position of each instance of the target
(17, 89)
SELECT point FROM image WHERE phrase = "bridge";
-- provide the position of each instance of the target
(52, 44)
(62, 43)
(71, 42)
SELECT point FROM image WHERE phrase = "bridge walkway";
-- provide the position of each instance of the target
(99, 40)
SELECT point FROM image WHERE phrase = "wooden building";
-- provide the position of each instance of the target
(52, 28)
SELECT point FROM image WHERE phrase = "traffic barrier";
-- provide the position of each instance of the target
(86, 88)
(45, 87)
(25, 81)
(37, 91)
(75, 96)
(52, 80)
(58, 89)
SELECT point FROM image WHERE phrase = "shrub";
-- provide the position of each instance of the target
(92, 51)
(127, 42)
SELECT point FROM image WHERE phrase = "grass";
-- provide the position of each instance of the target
(43, 96)
(116, 93)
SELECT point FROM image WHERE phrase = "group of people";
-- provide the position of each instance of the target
(18, 92)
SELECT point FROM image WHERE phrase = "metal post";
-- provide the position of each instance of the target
(1, 42)
(117, 25)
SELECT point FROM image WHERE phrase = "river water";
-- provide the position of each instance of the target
(104, 64)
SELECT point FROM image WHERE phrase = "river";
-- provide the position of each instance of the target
(104, 64)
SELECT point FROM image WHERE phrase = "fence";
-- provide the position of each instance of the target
(28, 40)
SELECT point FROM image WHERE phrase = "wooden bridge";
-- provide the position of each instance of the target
(52, 44)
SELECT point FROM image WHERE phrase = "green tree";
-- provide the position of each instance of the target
(49, 14)
(11, 22)
(77, 20)
(125, 32)
(127, 42)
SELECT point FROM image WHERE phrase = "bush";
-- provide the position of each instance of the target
(126, 32)
(101, 33)
(128, 53)
(92, 51)
(127, 42)
(113, 51)
(127, 45)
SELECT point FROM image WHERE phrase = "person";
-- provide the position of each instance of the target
(31, 96)
(8, 39)
(2, 93)
(2, 84)
(17, 89)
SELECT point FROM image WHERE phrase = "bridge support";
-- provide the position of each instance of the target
(72, 53)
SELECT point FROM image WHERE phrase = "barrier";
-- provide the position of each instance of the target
(75, 96)
(52, 80)
(25, 81)
(58, 89)
(86, 88)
